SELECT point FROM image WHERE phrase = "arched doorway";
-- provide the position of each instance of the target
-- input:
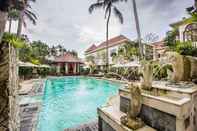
(190, 33)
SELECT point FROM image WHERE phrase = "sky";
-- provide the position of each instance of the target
(69, 23)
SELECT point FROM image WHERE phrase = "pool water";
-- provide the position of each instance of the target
(71, 101)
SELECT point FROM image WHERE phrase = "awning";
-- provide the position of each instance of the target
(44, 66)
(28, 64)
(130, 64)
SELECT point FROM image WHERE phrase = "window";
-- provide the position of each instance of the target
(190, 33)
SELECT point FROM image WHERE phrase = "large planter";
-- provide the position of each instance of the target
(181, 67)
(193, 61)
(147, 72)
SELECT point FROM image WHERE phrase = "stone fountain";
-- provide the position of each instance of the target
(156, 105)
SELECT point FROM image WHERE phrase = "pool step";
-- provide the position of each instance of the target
(93, 126)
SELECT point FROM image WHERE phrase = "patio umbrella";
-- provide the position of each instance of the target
(26, 64)
(130, 64)
(44, 66)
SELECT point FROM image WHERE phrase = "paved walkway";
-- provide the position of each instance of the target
(28, 116)
(30, 107)
(93, 126)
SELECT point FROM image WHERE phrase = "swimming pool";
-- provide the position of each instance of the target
(71, 101)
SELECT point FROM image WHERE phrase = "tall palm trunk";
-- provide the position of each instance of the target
(20, 23)
(3, 19)
(107, 40)
(138, 28)
(10, 25)
(4, 96)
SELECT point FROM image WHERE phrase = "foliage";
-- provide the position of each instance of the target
(39, 50)
(192, 11)
(43, 72)
(185, 48)
(161, 72)
(13, 14)
(128, 50)
(35, 61)
(151, 37)
(90, 59)
(25, 72)
(14, 40)
(34, 52)
(92, 68)
(170, 39)
(84, 71)
(55, 50)
(107, 6)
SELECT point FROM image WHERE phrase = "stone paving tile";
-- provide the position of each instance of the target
(93, 126)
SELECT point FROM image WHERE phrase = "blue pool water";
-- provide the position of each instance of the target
(70, 101)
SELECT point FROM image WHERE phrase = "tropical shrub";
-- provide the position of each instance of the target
(161, 72)
(14, 40)
(186, 48)
(43, 72)
(84, 71)
(25, 73)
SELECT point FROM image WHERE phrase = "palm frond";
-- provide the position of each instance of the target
(108, 8)
(118, 14)
(116, 1)
(31, 13)
(189, 9)
(95, 6)
(13, 14)
(31, 16)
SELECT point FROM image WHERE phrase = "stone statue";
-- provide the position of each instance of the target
(134, 109)
(181, 67)
(147, 71)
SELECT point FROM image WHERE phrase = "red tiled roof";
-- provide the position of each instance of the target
(158, 44)
(67, 57)
(112, 42)
(92, 47)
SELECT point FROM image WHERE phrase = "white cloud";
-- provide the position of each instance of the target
(70, 24)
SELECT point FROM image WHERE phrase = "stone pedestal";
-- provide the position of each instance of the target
(109, 120)
(173, 108)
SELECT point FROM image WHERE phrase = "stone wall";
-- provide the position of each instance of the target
(8, 88)
(103, 126)
(157, 119)
(13, 90)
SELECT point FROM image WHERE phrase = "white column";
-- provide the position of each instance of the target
(78, 66)
(66, 68)
(58, 68)
(75, 68)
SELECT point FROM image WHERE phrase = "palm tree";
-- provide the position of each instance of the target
(108, 6)
(138, 28)
(193, 8)
(13, 14)
(25, 12)
(4, 7)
